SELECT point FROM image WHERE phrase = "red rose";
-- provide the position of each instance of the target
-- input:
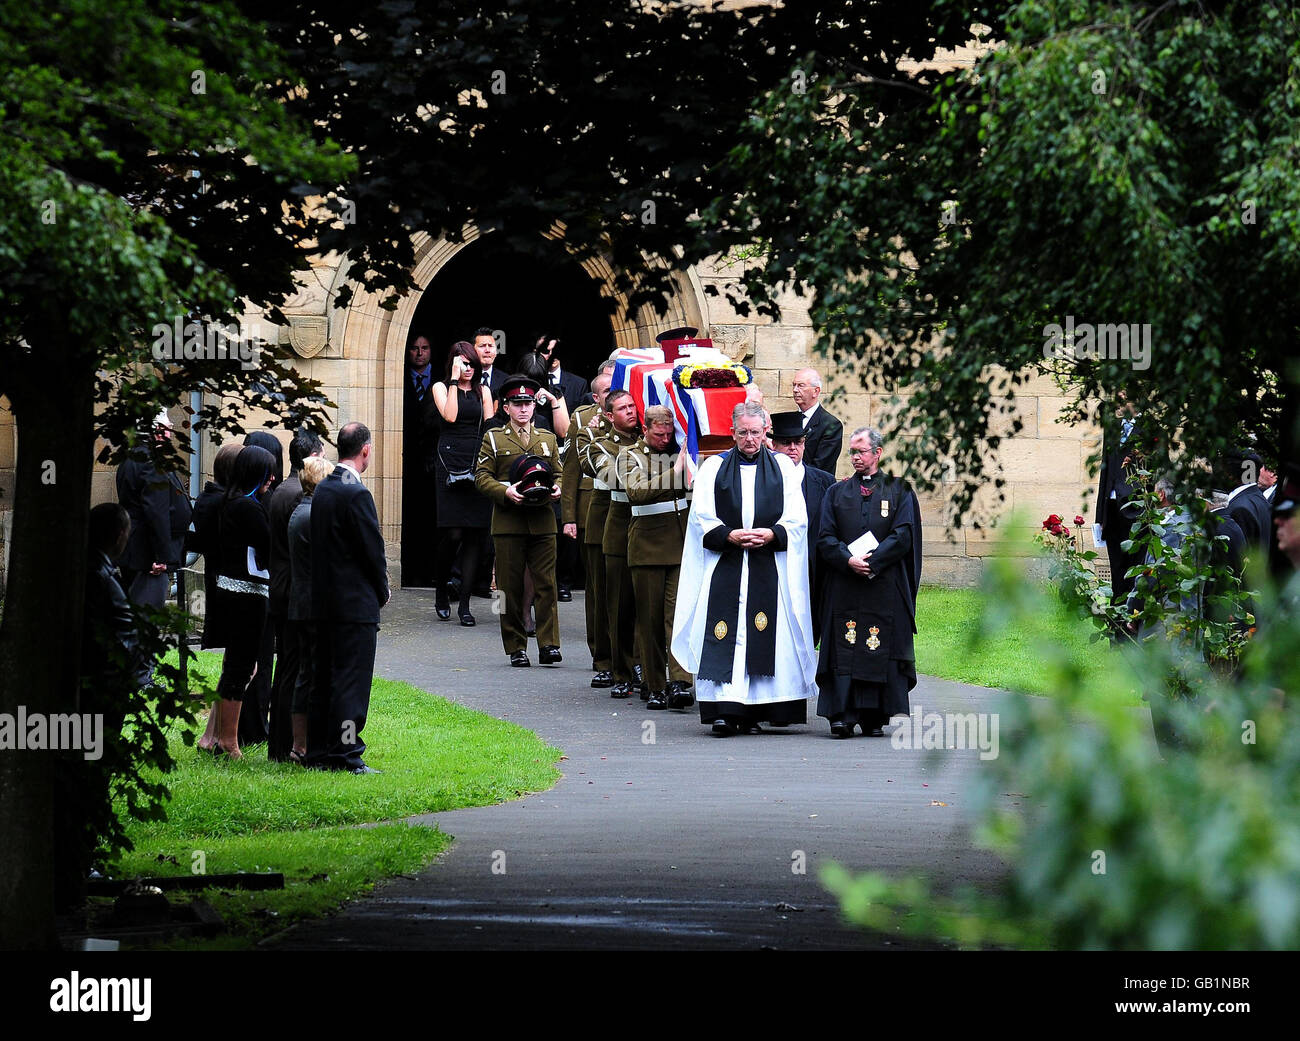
(1056, 529)
(1064, 531)
(1078, 520)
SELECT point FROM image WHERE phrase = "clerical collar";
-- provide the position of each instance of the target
(747, 458)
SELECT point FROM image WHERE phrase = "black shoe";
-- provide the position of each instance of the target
(721, 728)
(565, 595)
(549, 655)
(872, 731)
(604, 678)
(841, 729)
(440, 603)
(621, 690)
(641, 691)
(679, 695)
(520, 660)
(530, 632)
(467, 619)
(657, 700)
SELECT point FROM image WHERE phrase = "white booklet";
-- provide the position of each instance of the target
(863, 545)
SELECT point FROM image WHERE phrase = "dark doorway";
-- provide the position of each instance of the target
(489, 284)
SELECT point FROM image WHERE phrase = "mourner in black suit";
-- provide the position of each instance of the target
(867, 665)
(159, 507)
(419, 452)
(1114, 514)
(1248, 506)
(494, 376)
(824, 434)
(788, 438)
(349, 586)
(563, 383)
(284, 500)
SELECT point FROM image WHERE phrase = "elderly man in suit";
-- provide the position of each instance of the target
(523, 525)
(823, 433)
(789, 439)
(349, 586)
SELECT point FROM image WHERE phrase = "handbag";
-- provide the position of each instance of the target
(456, 480)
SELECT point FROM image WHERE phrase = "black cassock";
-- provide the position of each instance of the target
(867, 664)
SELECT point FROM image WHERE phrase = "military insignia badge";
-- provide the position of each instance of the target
(720, 631)
(850, 632)
(760, 621)
(546, 449)
(873, 639)
(884, 507)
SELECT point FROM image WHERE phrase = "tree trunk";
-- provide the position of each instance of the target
(40, 637)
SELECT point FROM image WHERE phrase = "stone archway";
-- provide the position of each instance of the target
(372, 341)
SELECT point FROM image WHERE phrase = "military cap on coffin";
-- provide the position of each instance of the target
(684, 332)
(534, 478)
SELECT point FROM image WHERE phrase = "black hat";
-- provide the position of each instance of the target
(787, 426)
(534, 477)
(683, 332)
(519, 389)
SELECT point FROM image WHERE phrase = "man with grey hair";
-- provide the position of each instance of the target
(870, 544)
(823, 433)
(742, 623)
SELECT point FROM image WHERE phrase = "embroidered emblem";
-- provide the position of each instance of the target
(720, 631)
(546, 451)
(850, 632)
(873, 640)
(760, 621)
(884, 507)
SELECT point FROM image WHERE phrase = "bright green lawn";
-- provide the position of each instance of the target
(254, 815)
(945, 618)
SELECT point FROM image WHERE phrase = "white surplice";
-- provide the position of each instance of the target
(796, 663)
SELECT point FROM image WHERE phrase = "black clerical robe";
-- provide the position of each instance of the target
(867, 663)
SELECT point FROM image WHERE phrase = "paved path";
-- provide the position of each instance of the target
(687, 842)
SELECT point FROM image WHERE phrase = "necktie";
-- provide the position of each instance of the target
(419, 387)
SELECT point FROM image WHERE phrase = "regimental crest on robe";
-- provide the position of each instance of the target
(850, 632)
(873, 637)
(760, 621)
(720, 631)
(884, 507)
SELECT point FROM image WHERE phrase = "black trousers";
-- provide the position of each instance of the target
(280, 731)
(340, 699)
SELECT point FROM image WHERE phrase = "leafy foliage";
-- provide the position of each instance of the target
(1111, 162)
(1116, 846)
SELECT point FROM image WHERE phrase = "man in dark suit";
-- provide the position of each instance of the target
(349, 586)
(571, 387)
(485, 344)
(1247, 504)
(789, 439)
(419, 448)
(159, 507)
(823, 433)
(1114, 514)
(284, 501)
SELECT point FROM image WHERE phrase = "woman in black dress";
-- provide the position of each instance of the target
(238, 610)
(462, 404)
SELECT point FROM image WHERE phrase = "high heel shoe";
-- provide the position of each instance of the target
(466, 619)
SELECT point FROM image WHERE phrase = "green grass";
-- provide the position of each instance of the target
(255, 815)
(945, 619)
